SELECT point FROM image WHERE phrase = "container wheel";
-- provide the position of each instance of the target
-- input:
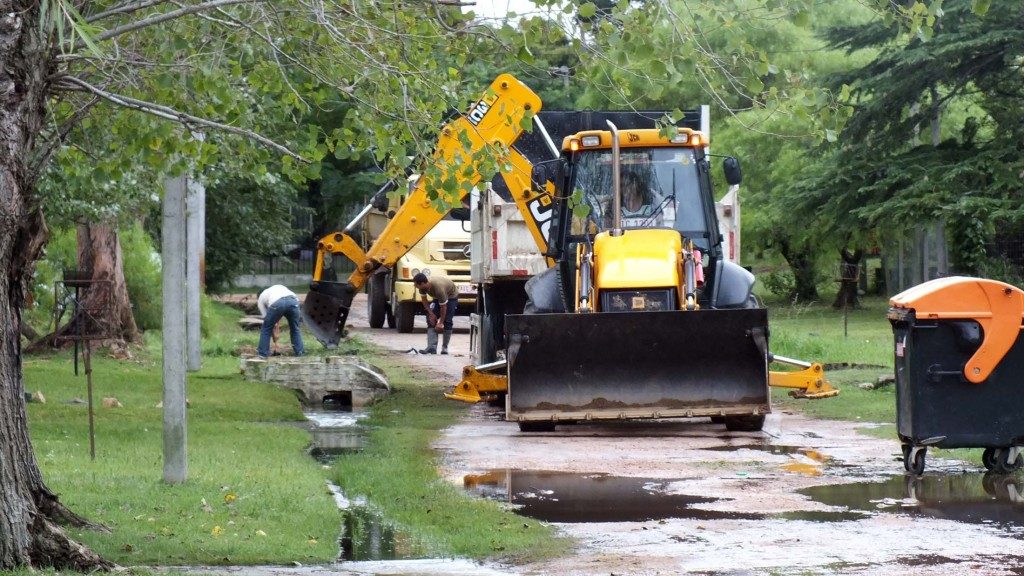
(546, 426)
(905, 448)
(988, 458)
(914, 461)
(744, 423)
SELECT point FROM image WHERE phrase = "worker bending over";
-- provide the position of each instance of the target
(440, 312)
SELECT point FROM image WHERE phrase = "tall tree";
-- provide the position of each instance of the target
(936, 133)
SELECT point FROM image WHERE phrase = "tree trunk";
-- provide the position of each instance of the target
(849, 273)
(801, 263)
(106, 299)
(29, 512)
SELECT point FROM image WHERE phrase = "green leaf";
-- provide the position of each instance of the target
(587, 10)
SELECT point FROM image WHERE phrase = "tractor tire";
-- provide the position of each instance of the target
(744, 423)
(376, 301)
(405, 316)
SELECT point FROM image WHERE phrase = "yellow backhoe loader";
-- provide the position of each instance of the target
(639, 315)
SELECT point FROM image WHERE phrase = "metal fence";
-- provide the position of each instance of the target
(300, 263)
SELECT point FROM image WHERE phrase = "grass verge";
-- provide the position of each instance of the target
(253, 495)
(397, 472)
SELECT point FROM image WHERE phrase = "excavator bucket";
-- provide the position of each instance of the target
(325, 310)
(637, 365)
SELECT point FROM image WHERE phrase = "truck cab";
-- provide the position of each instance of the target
(445, 250)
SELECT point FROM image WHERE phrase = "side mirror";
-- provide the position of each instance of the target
(548, 171)
(380, 201)
(461, 214)
(733, 174)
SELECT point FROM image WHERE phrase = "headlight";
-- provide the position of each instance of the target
(426, 271)
(415, 271)
(588, 141)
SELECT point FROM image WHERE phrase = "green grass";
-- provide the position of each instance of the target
(397, 472)
(266, 499)
(816, 333)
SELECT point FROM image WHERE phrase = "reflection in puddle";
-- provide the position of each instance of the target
(970, 498)
(335, 433)
(568, 497)
(366, 536)
(805, 461)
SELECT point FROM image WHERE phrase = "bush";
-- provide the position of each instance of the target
(142, 276)
(59, 255)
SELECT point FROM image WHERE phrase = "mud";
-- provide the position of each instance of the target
(803, 496)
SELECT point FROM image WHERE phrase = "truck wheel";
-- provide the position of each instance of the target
(389, 315)
(376, 301)
(744, 423)
(405, 317)
(499, 400)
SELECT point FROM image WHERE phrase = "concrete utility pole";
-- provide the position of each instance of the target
(195, 215)
(173, 266)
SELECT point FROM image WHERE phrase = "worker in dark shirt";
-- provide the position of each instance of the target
(440, 312)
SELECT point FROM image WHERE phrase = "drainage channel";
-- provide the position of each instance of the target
(335, 430)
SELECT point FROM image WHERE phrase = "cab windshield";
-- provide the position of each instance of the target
(660, 189)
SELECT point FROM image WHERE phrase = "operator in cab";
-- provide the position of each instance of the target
(640, 205)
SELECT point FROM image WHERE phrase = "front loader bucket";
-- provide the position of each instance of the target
(325, 310)
(618, 365)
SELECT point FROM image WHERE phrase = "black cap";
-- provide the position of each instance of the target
(419, 278)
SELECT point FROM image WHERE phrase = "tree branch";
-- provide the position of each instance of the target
(123, 9)
(161, 18)
(168, 113)
(49, 148)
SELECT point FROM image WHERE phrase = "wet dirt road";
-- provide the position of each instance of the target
(685, 496)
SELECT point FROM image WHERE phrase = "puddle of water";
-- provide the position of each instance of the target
(366, 536)
(576, 498)
(334, 433)
(971, 498)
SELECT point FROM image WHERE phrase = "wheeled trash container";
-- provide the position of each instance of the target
(959, 361)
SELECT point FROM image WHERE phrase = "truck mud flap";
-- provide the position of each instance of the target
(637, 365)
(325, 310)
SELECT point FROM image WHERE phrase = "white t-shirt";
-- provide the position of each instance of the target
(271, 295)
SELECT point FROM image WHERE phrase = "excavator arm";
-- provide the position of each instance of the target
(493, 122)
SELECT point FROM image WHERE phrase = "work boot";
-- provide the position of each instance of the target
(431, 341)
(444, 342)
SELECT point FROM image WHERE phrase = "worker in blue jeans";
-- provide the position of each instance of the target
(440, 312)
(274, 303)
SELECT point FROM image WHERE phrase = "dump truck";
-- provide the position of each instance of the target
(633, 317)
(391, 296)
